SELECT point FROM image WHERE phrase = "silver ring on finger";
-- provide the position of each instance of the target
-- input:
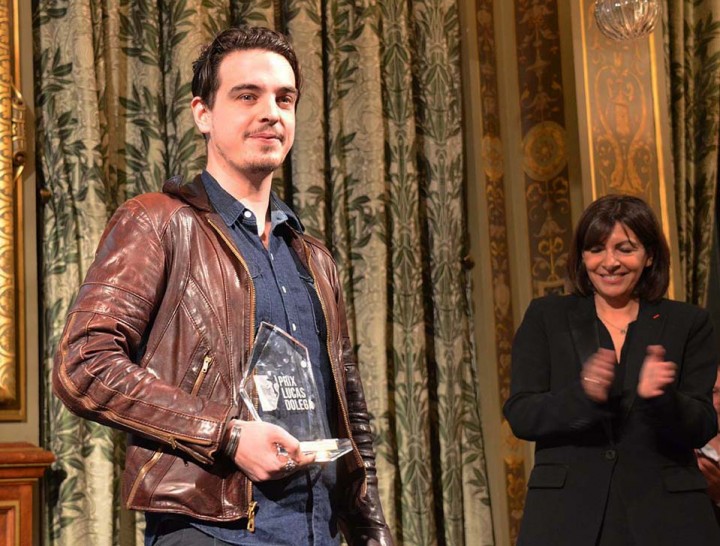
(290, 465)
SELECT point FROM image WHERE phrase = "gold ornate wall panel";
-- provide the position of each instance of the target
(515, 485)
(544, 142)
(619, 103)
(492, 161)
(621, 100)
(12, 157)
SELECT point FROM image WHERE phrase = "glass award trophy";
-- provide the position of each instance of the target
(280, 375)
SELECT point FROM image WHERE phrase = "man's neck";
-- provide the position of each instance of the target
(253, 193)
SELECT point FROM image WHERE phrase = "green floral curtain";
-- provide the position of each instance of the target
(377, 170)
(693, 50)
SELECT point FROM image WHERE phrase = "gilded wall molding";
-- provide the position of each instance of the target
(12, 160)
(620, 113)
(621, 99)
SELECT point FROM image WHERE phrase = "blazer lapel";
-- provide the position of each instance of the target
(584, 330)
(586, 337)
(648, 331)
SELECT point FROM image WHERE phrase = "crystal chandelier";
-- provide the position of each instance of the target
(626, 19)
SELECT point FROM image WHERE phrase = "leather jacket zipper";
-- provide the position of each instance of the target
(156, 456)
(249, 335)
(251, 516)
(142, 473)
(251, 323)
(334, 368)
(202, 375)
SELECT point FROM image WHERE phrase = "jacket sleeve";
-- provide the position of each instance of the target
(96, 371)
(684, 415)
(539, 406)
(361, 519)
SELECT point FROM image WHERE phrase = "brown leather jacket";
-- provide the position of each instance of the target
(155, 344)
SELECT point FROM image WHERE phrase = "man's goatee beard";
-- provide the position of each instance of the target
(263, 168)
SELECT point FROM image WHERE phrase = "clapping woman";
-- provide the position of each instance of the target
(613, 383)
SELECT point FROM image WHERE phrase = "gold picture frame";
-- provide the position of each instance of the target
(12, 274)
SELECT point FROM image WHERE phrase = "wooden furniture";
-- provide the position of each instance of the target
(21, 466)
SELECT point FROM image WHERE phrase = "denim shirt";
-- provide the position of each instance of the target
(296, 510)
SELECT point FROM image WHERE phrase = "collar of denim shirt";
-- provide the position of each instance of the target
(231, 210)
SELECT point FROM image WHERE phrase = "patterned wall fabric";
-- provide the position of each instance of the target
(544, 149)
(693, 50)
(377, 171)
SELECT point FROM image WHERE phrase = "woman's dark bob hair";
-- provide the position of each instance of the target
(594, 228)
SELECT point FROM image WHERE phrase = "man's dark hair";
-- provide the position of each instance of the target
(594, 227)
(205, 81)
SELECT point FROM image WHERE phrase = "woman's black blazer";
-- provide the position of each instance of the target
(644, 447)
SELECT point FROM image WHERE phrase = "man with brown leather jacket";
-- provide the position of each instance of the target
(160, 333)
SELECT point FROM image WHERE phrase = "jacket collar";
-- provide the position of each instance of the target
(193, 193)
(648, 331)
(583, 328)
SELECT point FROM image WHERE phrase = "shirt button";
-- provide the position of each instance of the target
(284, 289)
(294, 327)
(272, 257)
(247, 214)
(610, 454)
